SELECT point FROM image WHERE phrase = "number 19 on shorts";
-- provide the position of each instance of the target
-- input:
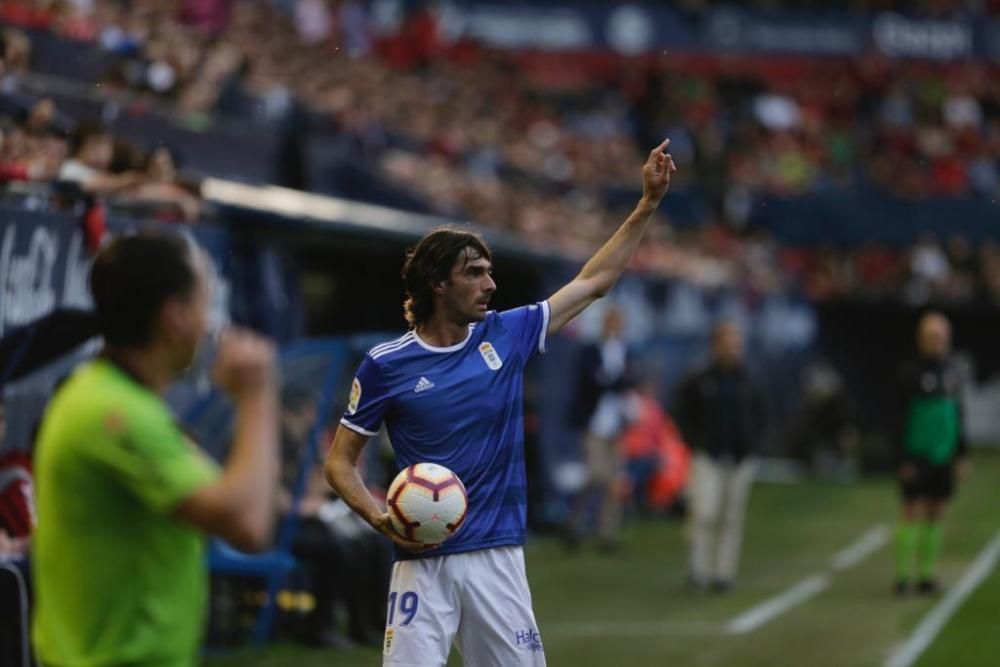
(408, 604)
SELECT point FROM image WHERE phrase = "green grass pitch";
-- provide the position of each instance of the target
(631, 608)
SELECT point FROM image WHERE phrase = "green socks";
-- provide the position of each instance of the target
(906, 549)
(930, 546)
(917, 542)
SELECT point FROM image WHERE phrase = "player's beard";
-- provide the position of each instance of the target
(465, 312)
(479, 310)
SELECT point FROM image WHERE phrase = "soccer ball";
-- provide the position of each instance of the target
(427, 503)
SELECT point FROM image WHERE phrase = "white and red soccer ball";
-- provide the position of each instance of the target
(427, 503)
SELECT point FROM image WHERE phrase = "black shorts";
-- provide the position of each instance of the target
(934, 482)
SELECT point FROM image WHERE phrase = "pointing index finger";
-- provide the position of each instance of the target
(659, 149)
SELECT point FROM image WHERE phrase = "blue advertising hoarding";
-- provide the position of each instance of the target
(632, 29)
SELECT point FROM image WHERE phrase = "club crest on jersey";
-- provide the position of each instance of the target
(352, 405)
(490, 356)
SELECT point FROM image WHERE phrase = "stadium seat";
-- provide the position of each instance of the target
(316, 364)
(272, 567)
(14, 650)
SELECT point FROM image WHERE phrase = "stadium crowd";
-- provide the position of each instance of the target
(38, 145)
(540, 145)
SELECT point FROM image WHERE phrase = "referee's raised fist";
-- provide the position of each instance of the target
(245, 363)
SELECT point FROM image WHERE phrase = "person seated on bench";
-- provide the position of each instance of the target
(347, 564)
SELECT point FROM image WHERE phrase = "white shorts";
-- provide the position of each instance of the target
(478, 600)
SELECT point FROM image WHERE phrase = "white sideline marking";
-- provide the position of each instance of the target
(871, 541)
(939, 616)
(769, 609)
(876, 538)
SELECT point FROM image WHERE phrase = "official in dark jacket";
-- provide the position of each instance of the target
(718, 409)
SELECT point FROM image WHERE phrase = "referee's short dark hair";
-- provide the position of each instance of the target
(132, 277)
(430, 262)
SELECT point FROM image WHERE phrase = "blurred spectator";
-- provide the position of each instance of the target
(600, 410)
(17, 508)
(346, 564)
(89, 164)
(719, 411)
(657, 460)
(929, 269)
(41, 119)
(208, 16)
(318, 553)
(15, 51)
(160, 185)
(11, 168)
(17, 512)
(989, 261)
(34, 148)
(826, 432)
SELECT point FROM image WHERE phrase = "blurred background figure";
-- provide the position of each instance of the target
(17, 506)
(89, 163)
(825, 431)
(320, 556)
(159, 183)
(120, 486)
(657, 460)
(600, 409)
(719, 412)
(933, 446)
(344, 563)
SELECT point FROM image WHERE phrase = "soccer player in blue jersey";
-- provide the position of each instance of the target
(450, 392)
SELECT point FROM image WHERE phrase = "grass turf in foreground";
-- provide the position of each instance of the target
(632, 608)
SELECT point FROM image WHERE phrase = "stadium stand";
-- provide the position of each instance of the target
(526, 142)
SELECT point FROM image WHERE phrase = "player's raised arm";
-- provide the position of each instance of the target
(602, 271)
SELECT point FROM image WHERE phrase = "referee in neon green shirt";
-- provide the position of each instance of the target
(123, 499)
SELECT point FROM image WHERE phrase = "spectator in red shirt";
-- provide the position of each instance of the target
(17, 512)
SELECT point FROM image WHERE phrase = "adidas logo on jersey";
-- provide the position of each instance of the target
(423, 385)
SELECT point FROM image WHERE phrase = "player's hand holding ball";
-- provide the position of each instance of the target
(383, 524)
(244, 363)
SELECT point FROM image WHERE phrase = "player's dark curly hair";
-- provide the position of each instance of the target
(430, 262)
